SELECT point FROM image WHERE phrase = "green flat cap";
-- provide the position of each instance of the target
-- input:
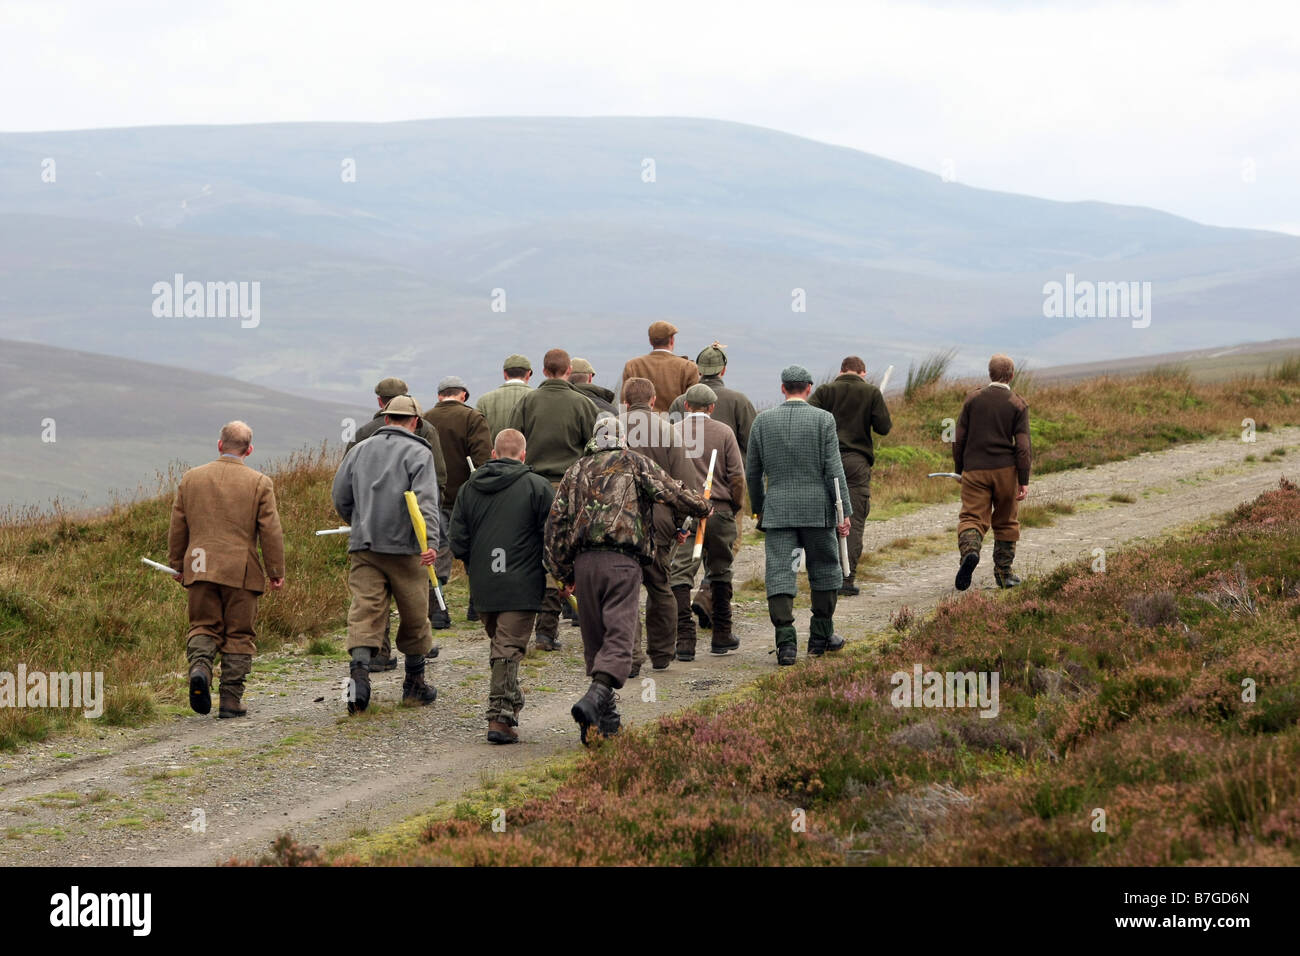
(712, 360)
(582, 367)
(517, 361)
(795, 375)
(700, 394)
(391, 388)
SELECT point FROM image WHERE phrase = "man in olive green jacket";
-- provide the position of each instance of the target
(556, 420)
(497, 404)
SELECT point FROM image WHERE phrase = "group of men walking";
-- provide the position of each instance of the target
(570, 493)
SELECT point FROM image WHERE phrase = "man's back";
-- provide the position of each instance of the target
(993, 432)
(733, 409)
(369, 492)
(794, 446)
(859, 408)
(221, 510)
(556, 419)
(497, 405)
(701, 436)
(671, 374)
(462, 433)
(425, 431)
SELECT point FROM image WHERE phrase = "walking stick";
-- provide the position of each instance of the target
(422, 536)
(341, 529)
(884, 382)
(159, 567)
(839, 520)
(944, 474)
(708, 492)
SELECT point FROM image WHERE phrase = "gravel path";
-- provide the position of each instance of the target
(112, 796)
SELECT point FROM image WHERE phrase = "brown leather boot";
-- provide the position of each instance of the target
(234, 669)
(201, 686)
(723, 639)
(501, 733)
(685, 623)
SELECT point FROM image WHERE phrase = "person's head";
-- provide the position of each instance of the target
(700, 398)
(557, 364)
(796, 382)
(389, 389)
(1001, 369)
(663, 335)
(404, 412)
(712, 360)
(855, 365)
(453, 389)
(583, 372)
(517, 367)
(638, 391)
(510, 443)
(236, 439)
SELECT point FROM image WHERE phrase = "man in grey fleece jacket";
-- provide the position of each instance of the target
(386, 560)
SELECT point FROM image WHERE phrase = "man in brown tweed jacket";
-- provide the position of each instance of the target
(671, 374)
(221, 512)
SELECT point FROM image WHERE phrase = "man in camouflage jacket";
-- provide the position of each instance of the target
(598, 536)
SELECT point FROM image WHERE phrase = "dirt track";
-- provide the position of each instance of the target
(130, 796)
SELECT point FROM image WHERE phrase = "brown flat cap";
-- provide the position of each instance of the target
(662, 331)
(391, 387)
(583, 367)
(402, 406)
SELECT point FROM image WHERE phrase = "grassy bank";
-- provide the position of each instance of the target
(1146, 715)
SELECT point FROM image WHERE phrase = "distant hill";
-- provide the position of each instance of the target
(117, 424)
(395, 273)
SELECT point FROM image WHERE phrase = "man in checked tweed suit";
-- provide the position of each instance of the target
(796, 448)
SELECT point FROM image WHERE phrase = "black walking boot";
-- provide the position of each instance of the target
(1004, 554)
(610, 721)
(201, 687)
(821, 629)
(471, 614)
(723, 639)
(587, 711)
(358, 686)
(414, 689)
(439, 619)
(968, 546)
(685, 623)
(849, 588)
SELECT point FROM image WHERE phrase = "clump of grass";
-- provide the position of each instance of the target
(1044, 515)
(1154, 609)
(1288, 371)
(930, 370)
(1122, 498)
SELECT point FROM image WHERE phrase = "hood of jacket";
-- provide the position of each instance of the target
(497, 474)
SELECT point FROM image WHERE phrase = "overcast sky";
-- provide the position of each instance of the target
(1191, 107)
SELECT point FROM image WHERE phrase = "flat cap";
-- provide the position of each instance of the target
(517, 361)
(391, 387)
(583, 367)
(451, 383)
(402, 406)
(795, 375)
(700, 394)
(712, 360)
(662, 331)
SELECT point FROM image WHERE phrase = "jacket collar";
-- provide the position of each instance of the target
(557, 383)
(401, 432)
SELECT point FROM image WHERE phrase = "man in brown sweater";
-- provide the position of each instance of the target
(222, 512)
(702, 436)
(859, 409)
(653, 436)
(992, 453)
(464, 435)
(671, 374)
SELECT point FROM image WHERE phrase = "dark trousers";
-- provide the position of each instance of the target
(857, 475)
(660, 611)
(608, 584)
(221, 618)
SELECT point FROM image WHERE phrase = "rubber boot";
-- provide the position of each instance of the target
(821, 630)
(234, 669)
(414, 689)
(850, 588)
(723, 640)
(702, 605)
(358, 683)
(780, 608)
(589, 708)
(201, 649)
(685, 623)
(969, 543)
(1004, 554)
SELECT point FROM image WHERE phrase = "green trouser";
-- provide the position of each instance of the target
(719, 538)
(780, 608)
(508, 632)
(857, 475)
